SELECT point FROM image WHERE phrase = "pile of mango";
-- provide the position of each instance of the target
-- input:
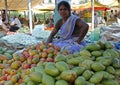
(96, 64)
(5, 54)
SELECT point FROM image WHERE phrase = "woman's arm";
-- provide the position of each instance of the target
(4, 27)
(55, 30)
(84, 29)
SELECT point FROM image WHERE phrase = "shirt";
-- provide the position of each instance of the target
(17, 22)
(0, 22)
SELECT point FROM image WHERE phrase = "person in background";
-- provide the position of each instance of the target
(15, 25)
(21, 19)
(74, 12)
(115, 15)
(118, 14)
(96, 19)
(72, 30)
(3, 16)
(112, 17)
(118, 17)
(0, 21)
(2, 25)
(105, 15)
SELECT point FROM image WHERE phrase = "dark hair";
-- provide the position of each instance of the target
(66, 4)
(111, 10)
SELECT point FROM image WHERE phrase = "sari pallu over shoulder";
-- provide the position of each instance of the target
(67, 28)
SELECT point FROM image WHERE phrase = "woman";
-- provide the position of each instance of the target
(72, 30)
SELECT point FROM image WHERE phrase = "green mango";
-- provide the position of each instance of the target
(32, 69)
(88, 83)
(22, 84)
(80, 80)
(78, 70)
(99, 84)
(48, 80)
(93, 47)
(61, 82)
(61, 66)
(8, 83)
(8, 56)
(40, 69)
(69, 56)
(0, 48)
(110, 69)
(69, 75)
(106, 61)
(76, 54)
(51, 69)
(102, 44)
(116, 63)
(26, 79)
(60, 57)
(107, 75)
(107, 53)
(111, 52)
(110, 82)
(1, 52)
(96, 66)
(40, 84)
(117, 72)
(87, 74)
(87, 64)
(35, 60)
(96, 53)
(108, 45)
(58, 77)
(114, 53)
(10, 51)
(30, 83)
(75, 61)
(36, 76)
(85, 53)
(96, 77)
(99, 58)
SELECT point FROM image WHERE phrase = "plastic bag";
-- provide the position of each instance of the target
(95, 35)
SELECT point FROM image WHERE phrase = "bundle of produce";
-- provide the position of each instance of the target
(2, 34)
(19, 39)
(11, 33)
(24, 29)
(39, 32)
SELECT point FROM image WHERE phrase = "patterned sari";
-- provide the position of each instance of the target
(67, 42)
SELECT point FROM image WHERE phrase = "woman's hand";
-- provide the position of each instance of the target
(77, 41)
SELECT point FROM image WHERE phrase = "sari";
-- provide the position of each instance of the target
(67, 41)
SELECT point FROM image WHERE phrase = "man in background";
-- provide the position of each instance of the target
(105, 15)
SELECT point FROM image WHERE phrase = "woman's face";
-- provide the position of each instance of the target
(64, 13)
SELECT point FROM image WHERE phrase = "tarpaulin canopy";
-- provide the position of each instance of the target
(18, 4)
(97, 6)
(115, 4)
(51, 7)
(45, 7)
